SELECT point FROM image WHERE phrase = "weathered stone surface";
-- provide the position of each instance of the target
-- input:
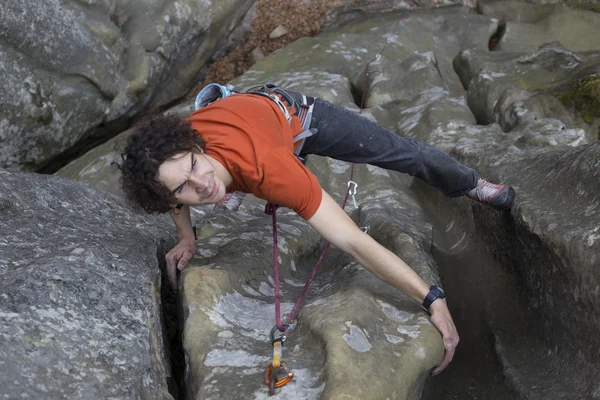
(517, 89)
(347, 11)
(79, 294)
(532, 273)
(511, 277)
(70, 67)
(527, 26)
(539, 302)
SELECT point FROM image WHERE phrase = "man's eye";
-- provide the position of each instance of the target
(180, 189)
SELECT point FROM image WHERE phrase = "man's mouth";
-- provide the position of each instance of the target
(212, 191)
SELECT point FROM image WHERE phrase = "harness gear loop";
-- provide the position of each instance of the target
(272, 381)
(274, 92)
(352, 193)
(211, 93)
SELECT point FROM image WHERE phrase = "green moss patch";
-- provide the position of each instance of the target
(583, 95)
(584, 5)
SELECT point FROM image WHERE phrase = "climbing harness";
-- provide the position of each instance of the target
(284, 101)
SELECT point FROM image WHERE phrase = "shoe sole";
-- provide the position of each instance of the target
(510, 198)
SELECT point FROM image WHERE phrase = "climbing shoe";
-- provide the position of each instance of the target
(500, 197)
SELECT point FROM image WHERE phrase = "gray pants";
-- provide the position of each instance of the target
(347, 136)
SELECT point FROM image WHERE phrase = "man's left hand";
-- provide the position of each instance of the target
(442, 320)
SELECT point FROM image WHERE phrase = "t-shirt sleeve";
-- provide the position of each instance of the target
(288, 183)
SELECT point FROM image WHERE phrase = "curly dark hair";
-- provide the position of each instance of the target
(154, 141)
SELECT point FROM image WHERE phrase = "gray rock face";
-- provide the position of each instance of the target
(515, 89)
(79, 294)
(530, 25)
(532, 274)
(522, 285)
(69, 67)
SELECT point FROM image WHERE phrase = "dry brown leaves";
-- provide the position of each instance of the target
(299, 19)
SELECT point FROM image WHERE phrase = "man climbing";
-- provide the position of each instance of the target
(246, 143)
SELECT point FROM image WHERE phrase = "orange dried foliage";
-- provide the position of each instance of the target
(299, 20)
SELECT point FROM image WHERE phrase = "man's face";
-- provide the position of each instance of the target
(192, 179)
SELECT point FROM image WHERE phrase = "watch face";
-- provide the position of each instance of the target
(438, 291)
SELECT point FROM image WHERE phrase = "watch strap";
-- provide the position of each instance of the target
(435, 292)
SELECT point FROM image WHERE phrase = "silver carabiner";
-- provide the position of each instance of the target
(281, 338)
(352, 193)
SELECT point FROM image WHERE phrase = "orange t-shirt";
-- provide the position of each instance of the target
(251, 137)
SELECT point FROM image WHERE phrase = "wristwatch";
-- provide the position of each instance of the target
(435, 292)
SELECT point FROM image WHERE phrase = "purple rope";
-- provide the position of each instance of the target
(283, 327)
(280, 326)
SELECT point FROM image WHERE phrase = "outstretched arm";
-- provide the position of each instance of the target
(336, 227)
(179, 255)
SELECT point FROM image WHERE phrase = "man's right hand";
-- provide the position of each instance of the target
(178, 258)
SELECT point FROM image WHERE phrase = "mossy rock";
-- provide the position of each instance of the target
(583, 95)
(585, 5)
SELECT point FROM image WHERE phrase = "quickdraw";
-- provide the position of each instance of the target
(277, 374)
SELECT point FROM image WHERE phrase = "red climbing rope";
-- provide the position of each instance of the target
(272, 210)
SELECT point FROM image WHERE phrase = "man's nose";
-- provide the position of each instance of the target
(200, 182)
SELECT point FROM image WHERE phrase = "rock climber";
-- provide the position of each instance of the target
(245, 142)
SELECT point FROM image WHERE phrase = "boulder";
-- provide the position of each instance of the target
(512, 277)
(526, 26)
(531, 274)
(80, 294)
(70, 68)
(516, 89)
